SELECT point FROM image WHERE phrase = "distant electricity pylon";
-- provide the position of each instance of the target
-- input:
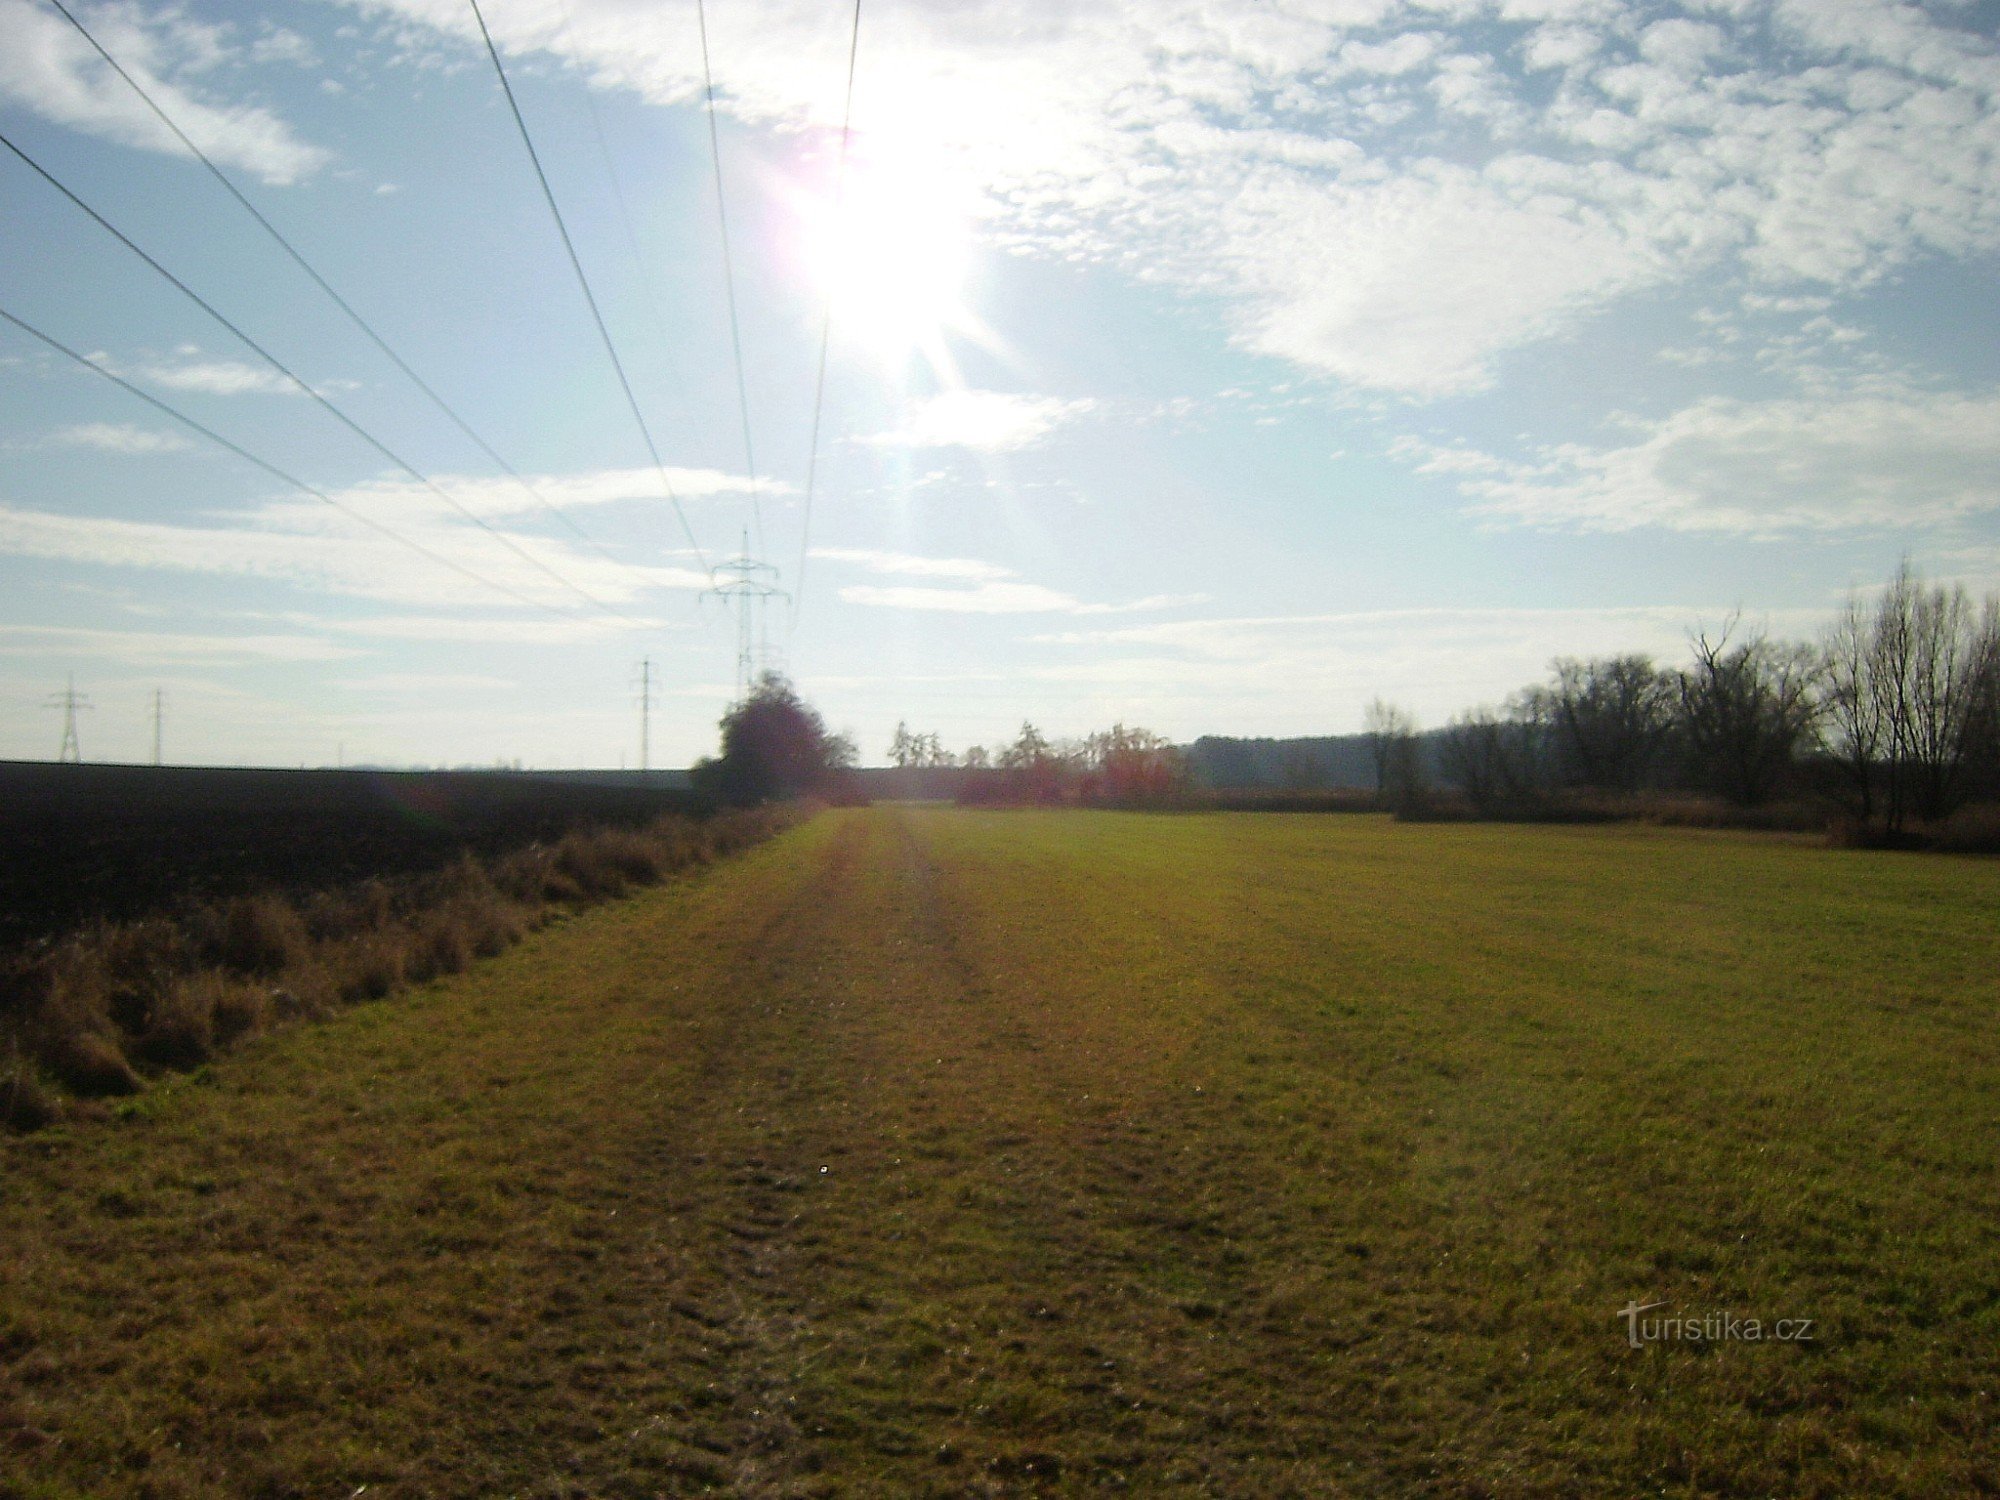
(159, 719)
(69, 700)
(745, 585)
(646, 714)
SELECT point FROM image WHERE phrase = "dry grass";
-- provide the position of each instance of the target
(94, 1016)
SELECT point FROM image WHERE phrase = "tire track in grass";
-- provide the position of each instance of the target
(1013, 1287)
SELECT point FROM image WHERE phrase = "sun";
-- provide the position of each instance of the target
(891, 253)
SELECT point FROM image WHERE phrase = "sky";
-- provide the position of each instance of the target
(1215, 368)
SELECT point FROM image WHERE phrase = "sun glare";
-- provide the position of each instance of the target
(892, 255)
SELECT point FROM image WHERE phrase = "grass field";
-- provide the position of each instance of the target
(923, 1152)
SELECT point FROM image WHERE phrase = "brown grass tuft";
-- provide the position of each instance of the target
(170, 993)
(260, 934)
(90, 1065)
(181, 1031)
(370, 967)
(442, 946)
(24, 1103)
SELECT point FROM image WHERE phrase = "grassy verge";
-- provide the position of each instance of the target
(97, 1014)
(924, 1152)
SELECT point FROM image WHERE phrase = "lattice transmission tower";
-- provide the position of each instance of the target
(747, 586)
(71, 702)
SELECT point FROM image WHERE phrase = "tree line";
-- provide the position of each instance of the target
(1892, 714)
(1894, 711)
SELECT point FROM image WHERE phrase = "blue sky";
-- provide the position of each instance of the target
(1212, 367)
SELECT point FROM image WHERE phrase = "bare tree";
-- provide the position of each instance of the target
(1392, 740)
(1500, 760)
(1614, 716)
(1473, 754)
(1853, 722)
(1745, 711)
(1910, 697)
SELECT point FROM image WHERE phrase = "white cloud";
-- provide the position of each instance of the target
(1419, 282)
(47, 68)
(1301, 674)
(988, 421)
(1010, 597)
(310, 547)
(910, 565)
(136, 646)
(115, 437)
(1403, 227)
(1887, 460)
(216, 377)
(993, 598)
(493, 496)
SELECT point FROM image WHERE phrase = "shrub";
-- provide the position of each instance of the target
(1972, 830)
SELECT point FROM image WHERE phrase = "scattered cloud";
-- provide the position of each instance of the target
(212, 377)
(148, 647)
(50, 70)
(1010, 597)
(985, 588)
(1392, 192)
(988, 421)
(1889, 461)
(1278, 674)
(113, 437)
(313, 548)
(495, 496)
(909, 565)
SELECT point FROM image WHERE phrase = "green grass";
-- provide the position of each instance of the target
(932, 1152)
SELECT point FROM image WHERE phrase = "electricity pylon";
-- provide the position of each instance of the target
(69, 700)
(646, 714)
(745, 585)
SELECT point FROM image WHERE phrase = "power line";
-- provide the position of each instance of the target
(272, 469)
(286, 371)
(658, 318)
(321, 282)
(826, 325)
(729, 272)
(583, 281)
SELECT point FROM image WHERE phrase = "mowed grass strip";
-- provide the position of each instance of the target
(931, 1152)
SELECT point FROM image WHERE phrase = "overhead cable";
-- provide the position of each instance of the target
(583, 282)
(826, 326)
(272, 469)
(316, 396)
(339, 301)
(729, 273)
